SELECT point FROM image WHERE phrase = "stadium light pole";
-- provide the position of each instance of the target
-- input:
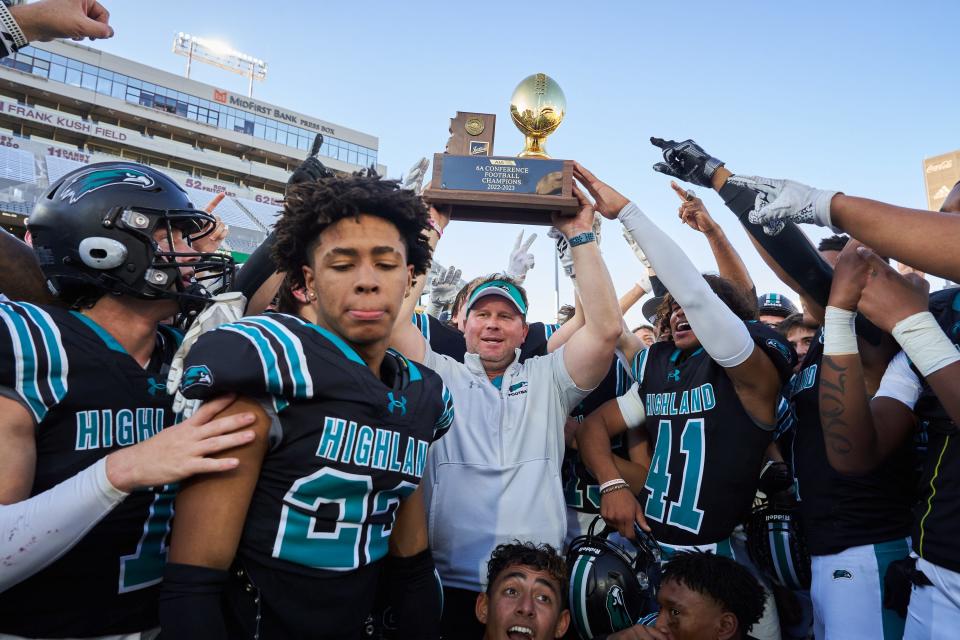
(221, 55)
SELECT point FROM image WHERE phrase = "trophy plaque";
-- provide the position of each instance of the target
(477, 185)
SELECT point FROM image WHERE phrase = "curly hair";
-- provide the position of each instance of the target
(310, 207)
(723, 580)
(732, 296)
(541, 557)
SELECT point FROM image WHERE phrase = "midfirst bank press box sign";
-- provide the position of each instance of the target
(940, 173)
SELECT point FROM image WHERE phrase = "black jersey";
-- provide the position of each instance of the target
(448, 341)
(707, 450)
(937, 523)
(346, 448)
(840, 511)
(88, 398)
(580, 488)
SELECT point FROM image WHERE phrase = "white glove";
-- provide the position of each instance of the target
(643, 281)
(521, 260)
(637, 251)
(597, 223)
(563, 252)
(226, 307)
(443, 290)
(780, 201)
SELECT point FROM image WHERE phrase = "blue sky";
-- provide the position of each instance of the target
(845, 95)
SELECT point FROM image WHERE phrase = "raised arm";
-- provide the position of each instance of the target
(723, 335)
(927, 246)
(405, 337)
(899, 302)
(695, 215)
(589, 351)
(856, 438)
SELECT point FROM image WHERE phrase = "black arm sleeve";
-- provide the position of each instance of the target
(415, 595)
(658, 289)
(793, 252)
(190, 603)
(257, 269)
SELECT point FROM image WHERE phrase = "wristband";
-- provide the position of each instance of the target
(925, 343)
(582, 238)
(610, 483)
(436, 227)
(10, 26)
(615, 487)
(839, 336)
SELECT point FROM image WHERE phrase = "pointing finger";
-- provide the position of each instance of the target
(680, 191)
(217, 199)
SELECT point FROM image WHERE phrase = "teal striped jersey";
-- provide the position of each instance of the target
(87, 397)
(707, 450)
(347, 445)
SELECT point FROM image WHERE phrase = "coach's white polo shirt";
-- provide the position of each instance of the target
(495, 476)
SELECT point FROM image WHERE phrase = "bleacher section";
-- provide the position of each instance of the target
(17, 167)
(59, 167)
(27, 170)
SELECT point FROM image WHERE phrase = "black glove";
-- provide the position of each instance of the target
(774, 478)
(310, 169)
(687, 161)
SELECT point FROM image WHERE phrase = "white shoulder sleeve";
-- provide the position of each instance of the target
(631, 406)
(38, 531)
(722, 334)
(900, 382)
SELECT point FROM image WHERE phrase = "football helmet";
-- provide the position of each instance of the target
(610, 588)
(775, 540)
(95, 231)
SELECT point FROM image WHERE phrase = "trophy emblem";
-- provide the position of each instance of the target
(537, 107)
(525, 189)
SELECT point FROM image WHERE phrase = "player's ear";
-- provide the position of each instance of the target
(410, 276)
(562, 624)
(727, 626)
(309, 278)
(482, 607)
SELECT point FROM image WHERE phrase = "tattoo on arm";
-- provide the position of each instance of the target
(833, 407)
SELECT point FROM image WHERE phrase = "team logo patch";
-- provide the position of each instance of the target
(394, 404)
(196, 376)
(517, 389)
(620, 618)
(94, 179)
(842, 574)
(780, 348)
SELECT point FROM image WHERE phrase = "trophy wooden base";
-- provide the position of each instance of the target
(506, 190)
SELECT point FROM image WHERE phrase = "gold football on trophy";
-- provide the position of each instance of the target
(537, 108)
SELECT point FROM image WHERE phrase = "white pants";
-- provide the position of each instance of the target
(847, 593)
(934, 611)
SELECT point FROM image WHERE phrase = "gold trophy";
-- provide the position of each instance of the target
(476, 185)
(537, 108)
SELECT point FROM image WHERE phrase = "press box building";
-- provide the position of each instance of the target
(64, 105)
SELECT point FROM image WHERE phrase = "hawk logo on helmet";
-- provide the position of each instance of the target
(94, 179)
(617, 609)
(196, 376)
